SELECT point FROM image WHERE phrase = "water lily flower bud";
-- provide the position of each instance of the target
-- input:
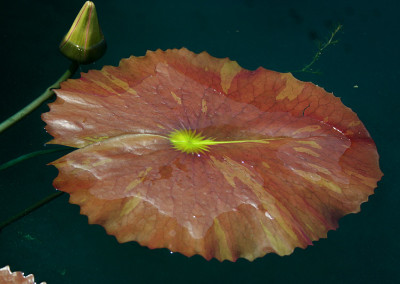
(84, 43)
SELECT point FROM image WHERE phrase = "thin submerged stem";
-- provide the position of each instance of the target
(321, 48)
(30, 209)
(38, 101)
(38, 204)
(29, 156)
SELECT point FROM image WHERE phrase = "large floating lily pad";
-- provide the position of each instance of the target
(293, 160)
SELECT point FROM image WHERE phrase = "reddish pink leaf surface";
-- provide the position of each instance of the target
(236, 200)
(8, 277)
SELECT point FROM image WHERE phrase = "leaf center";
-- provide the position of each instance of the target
(190, 142)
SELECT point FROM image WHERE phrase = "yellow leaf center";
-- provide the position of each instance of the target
(190, 142)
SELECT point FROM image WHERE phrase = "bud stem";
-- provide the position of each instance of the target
(37, 102)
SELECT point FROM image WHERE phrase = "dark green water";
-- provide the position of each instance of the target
(55, 242)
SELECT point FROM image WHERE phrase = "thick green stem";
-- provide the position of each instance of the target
(30, 209)
(43, 97)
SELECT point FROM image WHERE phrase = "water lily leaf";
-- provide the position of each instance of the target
(195, 154)
(6, 276)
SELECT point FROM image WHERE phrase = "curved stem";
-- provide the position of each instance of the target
(28, 156)
(30, 209)
(37, 102)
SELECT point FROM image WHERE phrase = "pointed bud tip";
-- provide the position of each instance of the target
(84, 42)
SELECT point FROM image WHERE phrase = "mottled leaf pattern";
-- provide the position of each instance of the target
(236, 200)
